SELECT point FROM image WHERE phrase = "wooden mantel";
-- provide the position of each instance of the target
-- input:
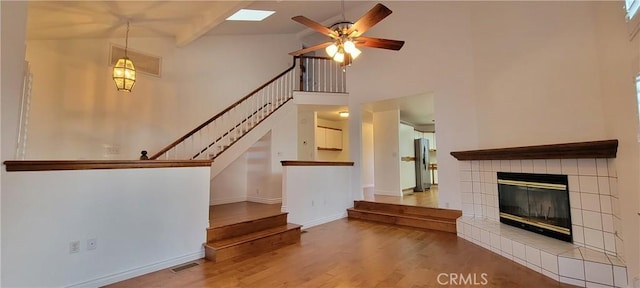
(593, 149)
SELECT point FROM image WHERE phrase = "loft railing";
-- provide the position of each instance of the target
(214, 136)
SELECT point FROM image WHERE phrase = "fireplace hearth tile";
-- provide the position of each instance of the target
(596, 285)
(569, 166)
(607, 223)
(546, 255)
(540, 166)
(554, 166)
(533, 255)
(573, 254)
(578, 234)
(594, 256)
(592, 219)
(575, 201)
(516, 165)
(527, 166)
(573, 268)
(572, 281)
(594, 238)
(598, 273)
(576, 216)
(605, 204)
(610, 243)
(519, 251)
(602, 167)
(549, 262)
(590, 202)
(588, 184)
(587, 167)
(574, 183)
(619, 276)
(603, 185)
(549, 274)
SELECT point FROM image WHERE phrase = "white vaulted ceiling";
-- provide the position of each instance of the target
(183, 20)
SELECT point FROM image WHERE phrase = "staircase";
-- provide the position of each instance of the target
(405, 215)
(216, 135)
(250, 237)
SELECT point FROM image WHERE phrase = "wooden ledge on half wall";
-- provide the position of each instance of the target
(577, 150)
(48, 165)
(314, 163)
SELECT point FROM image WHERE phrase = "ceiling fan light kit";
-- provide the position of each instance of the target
(346, 36)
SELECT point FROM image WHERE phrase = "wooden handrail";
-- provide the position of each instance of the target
(315, 163)
(175, 143)
(49, 165)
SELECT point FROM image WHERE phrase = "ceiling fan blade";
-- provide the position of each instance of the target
(314, 25)
(309, 49)
(379, 43)
(375, 15)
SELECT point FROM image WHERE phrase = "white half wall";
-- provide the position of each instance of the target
(143, 220)
(315, 195)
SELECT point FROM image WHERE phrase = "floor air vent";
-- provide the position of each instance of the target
(143, 62)
(183, 267)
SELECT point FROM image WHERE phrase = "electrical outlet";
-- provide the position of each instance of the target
(92, 244)
(74, 247)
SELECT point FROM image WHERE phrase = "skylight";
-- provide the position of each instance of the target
(250, 15)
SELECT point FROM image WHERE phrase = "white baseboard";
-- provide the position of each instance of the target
(264, 200)
(323, 220)
(387, 192)
(124, 275)
(219, 201)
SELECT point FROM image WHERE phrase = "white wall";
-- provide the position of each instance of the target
(314, 195)
(306, 135)
(230, 185)
(621, 120)
(436, 60)
(406, 149)
(368, 166)
(385, 150)
(143, 219)
(76, 110)
(12, 26)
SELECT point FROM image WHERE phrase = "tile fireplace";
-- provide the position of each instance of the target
(593, 255)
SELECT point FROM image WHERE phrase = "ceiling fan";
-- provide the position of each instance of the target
(346, 36)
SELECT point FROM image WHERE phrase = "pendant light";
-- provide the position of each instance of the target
(124, 73)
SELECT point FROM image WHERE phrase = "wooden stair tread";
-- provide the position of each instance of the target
(410, 216)
(228, 242)
(246, 221)
(401, 209)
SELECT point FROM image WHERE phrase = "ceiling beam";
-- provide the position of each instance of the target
(209, 19)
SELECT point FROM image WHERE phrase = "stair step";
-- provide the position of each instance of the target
(440, 224)
(253, 243)
(414, 211)
(245, 227)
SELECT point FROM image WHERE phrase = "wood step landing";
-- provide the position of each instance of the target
(250, 237)
(405, 215)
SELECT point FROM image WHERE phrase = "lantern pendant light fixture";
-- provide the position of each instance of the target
(124, 73)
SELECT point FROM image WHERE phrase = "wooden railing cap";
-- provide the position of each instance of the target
(315, 163)
(47, 165)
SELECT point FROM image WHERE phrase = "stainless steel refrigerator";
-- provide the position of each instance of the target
(423, 179)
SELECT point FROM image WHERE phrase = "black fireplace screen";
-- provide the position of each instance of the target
(536, 202)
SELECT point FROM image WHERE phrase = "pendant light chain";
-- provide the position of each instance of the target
(126, 41)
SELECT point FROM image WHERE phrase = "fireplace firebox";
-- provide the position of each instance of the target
(536, 202)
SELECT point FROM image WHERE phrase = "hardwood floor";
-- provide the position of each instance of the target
(354, 253)
(427, 198)
(225, 214)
